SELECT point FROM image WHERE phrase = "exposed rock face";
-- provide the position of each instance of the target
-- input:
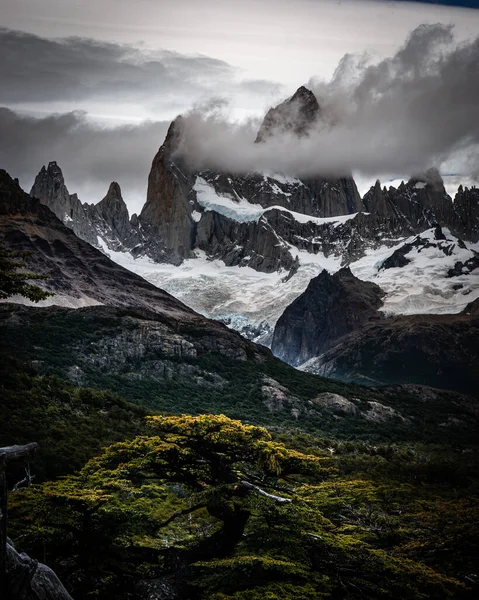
(168, 227)
(49, 187)
(379, 412)
(111, 221)
(27, 579)
(253, 244)
(436, 350)
(466, 213)
(107, 220)
(331, 307)
(295, 115)
(338, 404)
(422, 203)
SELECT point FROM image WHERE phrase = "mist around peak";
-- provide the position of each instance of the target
(401, 115)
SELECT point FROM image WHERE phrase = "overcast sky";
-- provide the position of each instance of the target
(128, 68)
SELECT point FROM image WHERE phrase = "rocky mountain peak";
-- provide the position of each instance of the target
(331, 307)
(174, 136)
(50, 184)
(113, 206)
(111, 219)
(113, 194)
(296, 114)
(431, 178)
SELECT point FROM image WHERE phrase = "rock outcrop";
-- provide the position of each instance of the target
(332, 306)
(107, 221)
(166, 219)
(111, 221)
(422, 203)
(295, 115)
(441, 351)
(49, 187)
(27, 579)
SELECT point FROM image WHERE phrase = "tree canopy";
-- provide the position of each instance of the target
(15, 280)
(210, 508)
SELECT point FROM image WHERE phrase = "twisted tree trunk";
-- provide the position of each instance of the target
(6, 454)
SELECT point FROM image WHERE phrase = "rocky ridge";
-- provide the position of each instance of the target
(331, 307)
(258, 220)
(436, 350)
(105, 225)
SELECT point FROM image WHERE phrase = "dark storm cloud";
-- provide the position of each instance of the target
(413, 110)
(89, 156)
(36, 69)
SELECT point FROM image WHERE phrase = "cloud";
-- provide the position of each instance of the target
(90, 157)
(398, 116)
(37, 70)
(415, 109)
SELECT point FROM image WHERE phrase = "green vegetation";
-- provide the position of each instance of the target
(128, 503)
(215, 509)
(83, 345)
(70, 424)
(14, 279)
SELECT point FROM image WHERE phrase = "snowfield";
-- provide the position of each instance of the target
(422, 286)
(252, 302)
(243, 211)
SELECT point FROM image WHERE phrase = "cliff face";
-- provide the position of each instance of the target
(106, 223)
(49, 187)
(166, 219)
(295, 115)
(466, 213)
(331, 307)
(110, 219)
(422, 202)
(176, 218)
(436, 350)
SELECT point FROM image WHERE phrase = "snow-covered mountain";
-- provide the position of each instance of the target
(241, 248)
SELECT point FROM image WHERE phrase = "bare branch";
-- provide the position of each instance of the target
(279, 499)
(12, 452)
(27, 480)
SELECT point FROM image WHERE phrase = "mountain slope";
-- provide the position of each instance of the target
(435, 350)
(79, 274)
(155, 351)
(331, 307)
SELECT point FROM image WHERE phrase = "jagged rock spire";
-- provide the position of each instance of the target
(296, 114)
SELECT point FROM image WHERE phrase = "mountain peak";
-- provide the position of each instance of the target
(296, 115)
(431, 178)
(114, 192)
(303, 93)
(50, 183)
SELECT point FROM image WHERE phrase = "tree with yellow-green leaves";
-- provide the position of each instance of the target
(210, 508)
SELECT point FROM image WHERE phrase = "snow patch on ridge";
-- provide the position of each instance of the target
(422, 286)
(242, 211)
(247, 299)
(239, 210)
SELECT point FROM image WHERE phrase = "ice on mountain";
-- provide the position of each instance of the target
(238, 210)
